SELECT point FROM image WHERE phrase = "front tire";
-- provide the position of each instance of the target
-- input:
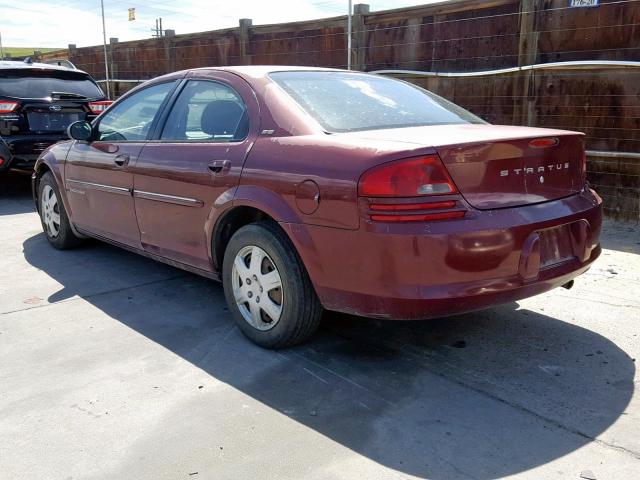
(53, 216)
(267, 287)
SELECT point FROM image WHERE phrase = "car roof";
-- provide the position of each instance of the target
(259, 71)
(17, 65)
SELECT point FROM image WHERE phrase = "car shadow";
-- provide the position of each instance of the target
(480, 396)
(15, 193)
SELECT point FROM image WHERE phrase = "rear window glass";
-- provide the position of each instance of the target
(42, 83)
(345, 102)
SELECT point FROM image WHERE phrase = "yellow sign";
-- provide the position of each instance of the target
(132, 14)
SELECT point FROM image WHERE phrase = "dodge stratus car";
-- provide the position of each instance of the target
(308, 189)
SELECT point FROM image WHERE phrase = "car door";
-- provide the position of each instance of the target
(194, 161)
(98, 174)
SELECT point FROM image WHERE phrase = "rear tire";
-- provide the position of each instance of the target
(272, 300)
(53, 216)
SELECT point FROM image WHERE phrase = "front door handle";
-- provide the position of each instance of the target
(219, 167)
(121, 160)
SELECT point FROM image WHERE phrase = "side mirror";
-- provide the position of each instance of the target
(80, 131)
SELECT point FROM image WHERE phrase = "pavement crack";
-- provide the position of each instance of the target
(340, 376)
(611, 304)
(96, 294)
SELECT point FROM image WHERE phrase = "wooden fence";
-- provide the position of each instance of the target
(603, 101)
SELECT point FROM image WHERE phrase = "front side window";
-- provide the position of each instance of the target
(346, 102)
(207, 111)
(131, 119)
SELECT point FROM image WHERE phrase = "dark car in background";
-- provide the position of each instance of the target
(37, 103)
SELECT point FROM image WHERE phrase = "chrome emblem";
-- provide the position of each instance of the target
(55, 108)
(552, 168)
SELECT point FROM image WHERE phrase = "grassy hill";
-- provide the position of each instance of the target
(26, 51)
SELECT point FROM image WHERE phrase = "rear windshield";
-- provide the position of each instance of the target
(26, 83)
(346, 102)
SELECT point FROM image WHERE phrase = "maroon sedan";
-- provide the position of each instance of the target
(303, 189)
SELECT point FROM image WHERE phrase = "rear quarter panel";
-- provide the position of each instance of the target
(290, 166)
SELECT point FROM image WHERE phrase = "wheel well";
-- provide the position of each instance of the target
(42, 169)
(229, 224)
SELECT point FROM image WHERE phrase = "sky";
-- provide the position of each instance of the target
(51, 24)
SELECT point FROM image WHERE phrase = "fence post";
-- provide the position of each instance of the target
(359, 36)
(412, 58)
(113, 68)
(71, 51)
(169, 44)
(524, 111)
(243, 37)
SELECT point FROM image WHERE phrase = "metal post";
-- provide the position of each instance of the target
(349, 34)
(106, 60)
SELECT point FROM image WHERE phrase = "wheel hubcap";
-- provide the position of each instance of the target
(50, 211)
(257, 287)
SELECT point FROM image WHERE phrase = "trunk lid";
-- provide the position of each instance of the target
(498, 166)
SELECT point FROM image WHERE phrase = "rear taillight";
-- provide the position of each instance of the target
(8, 107)
(407, 178)
(407, 207)
(393, 185)
(98, 107)
(543, 142)
(418, 217)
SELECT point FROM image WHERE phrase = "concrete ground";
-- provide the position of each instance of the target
(113, 366)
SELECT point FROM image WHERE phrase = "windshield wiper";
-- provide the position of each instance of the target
(68, 95)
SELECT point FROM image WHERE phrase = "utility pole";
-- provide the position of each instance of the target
(159, 31)
(349, 34)
(106, 58)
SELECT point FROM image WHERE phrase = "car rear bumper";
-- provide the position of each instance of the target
(417, 271)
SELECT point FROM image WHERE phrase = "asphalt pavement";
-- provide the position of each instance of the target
(113, 366)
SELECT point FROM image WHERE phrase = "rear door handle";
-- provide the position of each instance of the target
(121, 160)
(219, 167)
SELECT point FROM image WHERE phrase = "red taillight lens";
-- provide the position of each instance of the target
(407, 178)
(543, 142)
(405, 207)
(98, 107)
(8, 107)
(424, 217)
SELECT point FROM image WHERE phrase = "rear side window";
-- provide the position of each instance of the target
(345, 102)
(28, 83)
(207, 111)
